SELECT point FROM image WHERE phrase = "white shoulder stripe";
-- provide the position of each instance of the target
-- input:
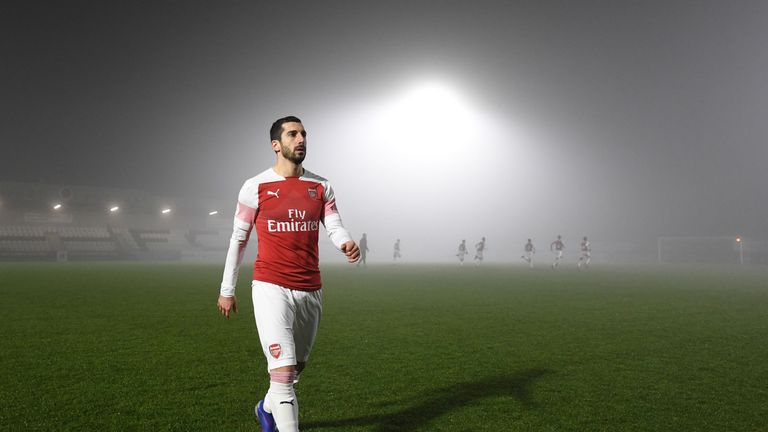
(249, 193)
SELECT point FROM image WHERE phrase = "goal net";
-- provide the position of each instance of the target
(701, 250)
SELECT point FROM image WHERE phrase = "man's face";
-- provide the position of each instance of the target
(293, 142)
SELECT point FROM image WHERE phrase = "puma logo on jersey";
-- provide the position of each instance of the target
(275, 193)
(286, 402)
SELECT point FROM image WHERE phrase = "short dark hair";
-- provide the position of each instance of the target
(277, 127)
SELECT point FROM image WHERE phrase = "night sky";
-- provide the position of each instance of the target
(614, 119)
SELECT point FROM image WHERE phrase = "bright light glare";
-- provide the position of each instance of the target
(738, 239)
(431, 134)
(215, 212)
(56, 206)
(433, 113)
(166, 211)
(433, 102)
(428, 122)
(114, 209)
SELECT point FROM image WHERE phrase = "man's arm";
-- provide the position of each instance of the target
(340, 237)
(336, 232)
(237, 245)
(245, 215)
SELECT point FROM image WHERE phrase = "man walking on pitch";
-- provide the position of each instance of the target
(286, 204)
(530, 250)
(586, 254)
(462, 252)
(396, 252)
(363, 245)
(479, 249)
(557, 247)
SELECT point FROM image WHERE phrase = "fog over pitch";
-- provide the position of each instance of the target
(434, 120)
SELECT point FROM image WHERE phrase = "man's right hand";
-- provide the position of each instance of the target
(227, 304)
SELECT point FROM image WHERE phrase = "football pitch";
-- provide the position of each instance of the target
(100, 346)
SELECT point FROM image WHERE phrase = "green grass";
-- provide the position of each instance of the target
(407, 348)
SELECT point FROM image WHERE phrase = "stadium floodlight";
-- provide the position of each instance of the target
(700, 250)
(444, 114)
(56, 206)
(114, 209)
(213, 213)
(165, 211)
(443, 109)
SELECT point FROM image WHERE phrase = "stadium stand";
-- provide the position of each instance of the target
(83, 227)
(206, 240)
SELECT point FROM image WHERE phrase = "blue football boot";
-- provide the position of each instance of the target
(266, 421)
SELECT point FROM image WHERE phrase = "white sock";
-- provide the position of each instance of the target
(281, 401)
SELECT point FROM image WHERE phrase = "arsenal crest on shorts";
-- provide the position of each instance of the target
(275, 350)
(312, 193)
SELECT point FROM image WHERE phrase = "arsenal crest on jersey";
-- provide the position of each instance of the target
(312, 193)
(275, 350)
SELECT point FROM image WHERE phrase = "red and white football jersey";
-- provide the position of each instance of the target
(287, 213)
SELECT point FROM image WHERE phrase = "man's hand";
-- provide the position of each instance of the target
(227, 304)
(351, 250)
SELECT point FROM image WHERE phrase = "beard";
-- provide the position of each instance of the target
(291, 155)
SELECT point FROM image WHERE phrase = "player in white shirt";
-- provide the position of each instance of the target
(586, 254)
(529, 251)
(462, 252)
(285, 205)
(557, 247)
(396, 252)
(479, 249)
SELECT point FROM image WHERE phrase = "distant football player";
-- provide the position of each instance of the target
(363, 245)
(462, 252)
(286, 205)
(528, 251)
(557, 247)
(586, 253)
(479, 249)
(396, 252)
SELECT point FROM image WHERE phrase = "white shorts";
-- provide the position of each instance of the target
(287, 321)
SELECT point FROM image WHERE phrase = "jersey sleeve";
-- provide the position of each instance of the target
(245, 215)
(332, 220)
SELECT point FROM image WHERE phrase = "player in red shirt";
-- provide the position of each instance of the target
(286, 204)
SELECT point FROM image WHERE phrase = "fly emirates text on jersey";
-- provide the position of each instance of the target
(293, 225)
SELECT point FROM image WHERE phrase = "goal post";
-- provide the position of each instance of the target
(700, 250)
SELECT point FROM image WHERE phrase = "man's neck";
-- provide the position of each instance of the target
(287, 168)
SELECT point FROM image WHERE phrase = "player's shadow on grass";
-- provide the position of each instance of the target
(444, 400)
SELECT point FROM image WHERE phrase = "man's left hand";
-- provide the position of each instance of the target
(351, 250)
